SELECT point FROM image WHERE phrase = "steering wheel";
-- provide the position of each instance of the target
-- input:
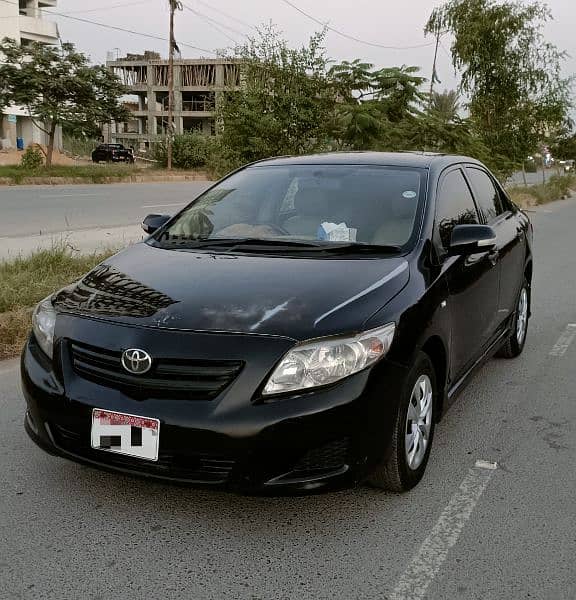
(250, 230)
(277, 228)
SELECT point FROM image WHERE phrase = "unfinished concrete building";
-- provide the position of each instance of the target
(198, 84)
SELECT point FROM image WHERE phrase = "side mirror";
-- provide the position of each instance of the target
(153, 222)
(472, 239)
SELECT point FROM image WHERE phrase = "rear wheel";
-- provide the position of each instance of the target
(413, 431)
(514, 345)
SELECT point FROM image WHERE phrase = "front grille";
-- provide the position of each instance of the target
(199, 468)
(168, 378)
(330, 457)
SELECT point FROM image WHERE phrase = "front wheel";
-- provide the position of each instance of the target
(413, 431)
(514, 345)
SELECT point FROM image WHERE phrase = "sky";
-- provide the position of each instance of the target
(384, 22)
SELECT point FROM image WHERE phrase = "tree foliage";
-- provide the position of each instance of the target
(58, 86)
(445, 105)
(189, 151)
(509, 71)
(283, 102)
(373, 103)
(295, 101)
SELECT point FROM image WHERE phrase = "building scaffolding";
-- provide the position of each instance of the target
(198, 85)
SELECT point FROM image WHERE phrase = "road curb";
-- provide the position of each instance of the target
(7, 181)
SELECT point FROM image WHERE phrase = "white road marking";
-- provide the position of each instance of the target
(484, 464)
(564, 341)
(431, 555)
(72, 195)
(162, 205)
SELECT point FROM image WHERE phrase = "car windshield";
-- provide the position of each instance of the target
(323, 205)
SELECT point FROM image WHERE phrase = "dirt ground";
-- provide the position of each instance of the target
(13, 157)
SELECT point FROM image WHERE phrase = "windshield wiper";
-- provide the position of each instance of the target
(248, 244)
(232, 243)
(360, 248)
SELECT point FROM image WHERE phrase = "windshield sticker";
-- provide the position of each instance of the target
(409, 194)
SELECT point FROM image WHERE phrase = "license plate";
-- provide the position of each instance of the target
(125, 434)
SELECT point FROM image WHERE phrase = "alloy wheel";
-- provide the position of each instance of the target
(418, 422)
(522, 316)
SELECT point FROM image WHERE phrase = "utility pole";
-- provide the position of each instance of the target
(174, 6)
(434, 76)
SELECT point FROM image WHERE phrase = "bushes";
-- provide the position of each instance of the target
(556, 188)
(198, 151)
(32, 159)
(189, 151)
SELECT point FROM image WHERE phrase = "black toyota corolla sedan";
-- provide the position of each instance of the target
(302, 324)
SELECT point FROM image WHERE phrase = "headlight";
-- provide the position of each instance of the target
(324, 361)
(43, 323)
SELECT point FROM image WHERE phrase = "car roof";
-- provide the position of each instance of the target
(422, 160)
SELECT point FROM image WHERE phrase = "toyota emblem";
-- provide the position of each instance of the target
(136, 361)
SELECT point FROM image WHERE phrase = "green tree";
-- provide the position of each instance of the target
(284, 101)
(509, 71)
(58, 86)
(564, 146)
(373, 103)
(445, 105)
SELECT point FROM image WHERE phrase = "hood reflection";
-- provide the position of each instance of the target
(253, 317)
(105, 291)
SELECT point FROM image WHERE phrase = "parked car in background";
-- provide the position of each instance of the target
(112, 153)
(302, 324)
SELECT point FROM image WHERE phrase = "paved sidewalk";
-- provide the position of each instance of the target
(85, 241)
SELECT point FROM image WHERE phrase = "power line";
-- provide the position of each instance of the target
(233, 29)
(212, 23)
(109, 7)
(122, 29)
(225, 14)
(351, 37)
(447, 52)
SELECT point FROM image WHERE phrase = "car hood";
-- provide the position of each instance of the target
(295, 297)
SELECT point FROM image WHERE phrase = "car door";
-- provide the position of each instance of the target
(472, 281)
(510, 245)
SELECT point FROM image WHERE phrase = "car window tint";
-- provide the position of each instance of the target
(454, 206)
(486, 194)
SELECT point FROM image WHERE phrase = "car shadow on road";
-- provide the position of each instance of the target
(164, 505)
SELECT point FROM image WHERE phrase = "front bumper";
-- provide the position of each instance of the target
(329, 438)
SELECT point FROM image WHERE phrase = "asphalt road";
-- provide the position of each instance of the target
(34, 210)
(466, 532)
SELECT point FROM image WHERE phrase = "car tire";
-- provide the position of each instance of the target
(516, 340)
(397, 473)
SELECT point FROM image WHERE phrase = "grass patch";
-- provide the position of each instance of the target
(26, 281)
(14, 329)
(90, 173)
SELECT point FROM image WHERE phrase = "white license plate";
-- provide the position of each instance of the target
(125, 434)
